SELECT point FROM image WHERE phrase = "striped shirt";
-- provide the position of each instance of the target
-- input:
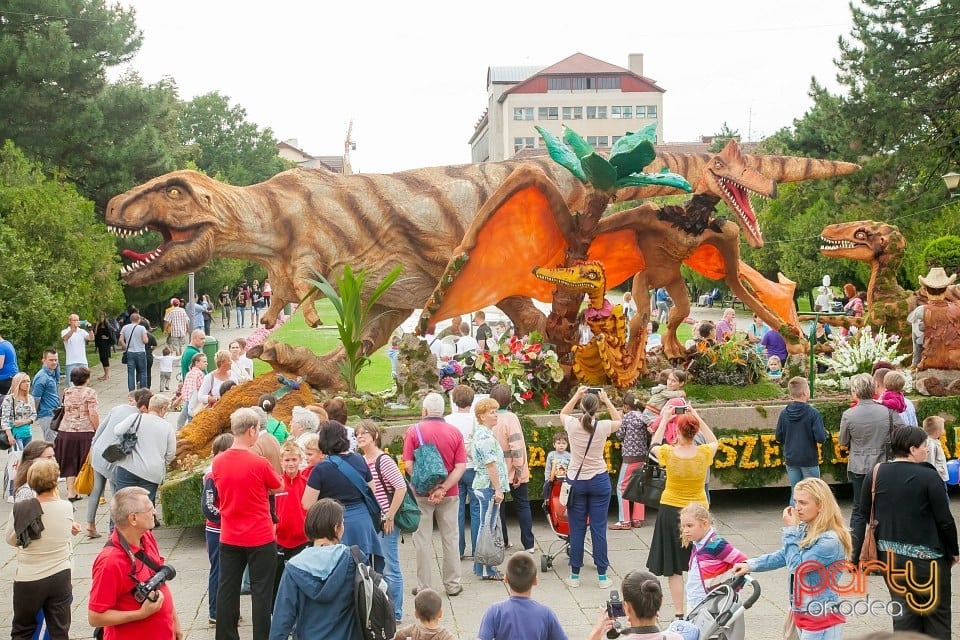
(389, 479)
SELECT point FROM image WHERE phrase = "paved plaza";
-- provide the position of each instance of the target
(749, 519)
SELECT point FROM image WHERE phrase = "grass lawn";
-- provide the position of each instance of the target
(375, 378)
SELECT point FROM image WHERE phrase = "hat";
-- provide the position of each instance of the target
(937, 279)
(175, 302)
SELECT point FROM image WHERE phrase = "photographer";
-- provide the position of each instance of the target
(130, 559)
(642, 598)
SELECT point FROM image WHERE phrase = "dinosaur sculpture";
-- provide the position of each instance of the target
(527, 224)
(304, 221)
(605, 356)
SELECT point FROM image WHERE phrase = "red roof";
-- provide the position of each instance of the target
(580, 64)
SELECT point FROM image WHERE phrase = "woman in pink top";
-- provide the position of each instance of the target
(590, 483)
(80, 422)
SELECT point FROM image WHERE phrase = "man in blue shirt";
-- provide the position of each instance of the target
(8, 365)
(45, 392)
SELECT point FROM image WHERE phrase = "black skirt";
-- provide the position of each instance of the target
(667, 557)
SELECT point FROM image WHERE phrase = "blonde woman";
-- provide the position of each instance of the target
(209, 391)
(19, 411)
(814, 535)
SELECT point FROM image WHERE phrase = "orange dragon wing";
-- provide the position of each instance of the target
(524, 224)
(619, 253)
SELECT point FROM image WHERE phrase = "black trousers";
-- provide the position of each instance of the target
(935, 623)
(53, 595)
(263, 565)
(285, 555)
(857, 518)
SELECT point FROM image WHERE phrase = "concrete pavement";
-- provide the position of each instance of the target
(749, 519)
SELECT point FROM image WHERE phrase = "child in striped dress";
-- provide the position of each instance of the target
(711, 556)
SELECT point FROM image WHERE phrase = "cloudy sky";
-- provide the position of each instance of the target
(412, 76)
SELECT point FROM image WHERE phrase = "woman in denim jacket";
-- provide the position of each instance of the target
(814, 537)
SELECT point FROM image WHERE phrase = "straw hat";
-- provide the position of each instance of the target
(937, 279)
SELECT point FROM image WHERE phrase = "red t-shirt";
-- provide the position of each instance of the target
(446, 437)
(112, 588)
(291, 513)
(244, 481)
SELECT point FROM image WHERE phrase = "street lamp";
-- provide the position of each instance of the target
(952, 180)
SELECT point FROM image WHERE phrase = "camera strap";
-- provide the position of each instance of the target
(139, 555)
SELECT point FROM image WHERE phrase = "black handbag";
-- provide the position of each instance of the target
(128, 441)
(646, 485)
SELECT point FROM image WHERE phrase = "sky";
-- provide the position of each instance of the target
(412, 76)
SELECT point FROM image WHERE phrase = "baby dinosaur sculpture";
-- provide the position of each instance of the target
(304, 221)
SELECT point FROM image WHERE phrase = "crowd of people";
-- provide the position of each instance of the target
(285, 506)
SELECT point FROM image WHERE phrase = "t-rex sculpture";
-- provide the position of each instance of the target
(527, 224)
(304, 221)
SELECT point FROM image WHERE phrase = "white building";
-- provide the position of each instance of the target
(598, 100)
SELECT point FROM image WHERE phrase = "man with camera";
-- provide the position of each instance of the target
(129, 597)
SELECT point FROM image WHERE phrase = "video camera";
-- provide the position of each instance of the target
(147, 590)
(615, 610)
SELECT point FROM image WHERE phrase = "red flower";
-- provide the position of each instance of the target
(545, 400)
(526, 395)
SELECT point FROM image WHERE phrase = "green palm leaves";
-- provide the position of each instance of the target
(624, 168)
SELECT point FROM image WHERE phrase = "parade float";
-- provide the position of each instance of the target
(500, 234)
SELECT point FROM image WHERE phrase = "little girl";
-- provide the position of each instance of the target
(892, 396)
(711, 556)
(673, 388)
(774, 368)
(815, 535)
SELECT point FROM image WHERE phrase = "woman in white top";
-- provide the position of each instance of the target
(209, 392)
(240, 365)
(590, 483)
(43, 577)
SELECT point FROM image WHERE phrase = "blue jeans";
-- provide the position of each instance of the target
(71, 367)
(832, 633)
(796, 474)
(136, 370)
(391, 570)
(485, 500)
(241, 315)
(521, 500)
(213, 580)
(589, 498)
(123, 479)
(465, 487)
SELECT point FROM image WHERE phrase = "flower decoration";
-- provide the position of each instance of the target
(857, 354)
(450, 374)
(530, 367)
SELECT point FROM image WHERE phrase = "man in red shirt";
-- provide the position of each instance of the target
(244, 482)
(443, 501)
(120, 567)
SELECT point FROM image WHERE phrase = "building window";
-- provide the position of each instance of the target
(613, 140)
(652, 111)
(523, 113)
(596, 113)
(573, 113)
(608, 83)
(641, 111)
(523, 143)
(621, 113)
(581, 83)
(548, 113)
(598, 141)
(558, 84)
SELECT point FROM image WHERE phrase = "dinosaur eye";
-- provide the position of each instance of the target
(717, 164)
(173, 192)
(860, 235)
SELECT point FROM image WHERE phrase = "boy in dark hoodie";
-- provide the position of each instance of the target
(799, 430)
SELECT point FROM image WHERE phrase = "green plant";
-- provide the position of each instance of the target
(730, 362)
(352, 314)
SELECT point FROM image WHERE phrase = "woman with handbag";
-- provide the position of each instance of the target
(19, 411)
(906, 500)
(390, 488)
(489, 483)
(687, 465)
(345, 477)
(634, 450)
(814, 538)
(589, 492)
(154, 448)
(80, 422)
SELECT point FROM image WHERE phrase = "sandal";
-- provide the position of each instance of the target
(637, 524)
(620, 526)
(92, 532)
(496, 576)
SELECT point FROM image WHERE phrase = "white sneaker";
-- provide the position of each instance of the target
(10, 499)
(604, 582)
(573, 582)
(531, 550)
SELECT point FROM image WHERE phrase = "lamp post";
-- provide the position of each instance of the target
(952, 180)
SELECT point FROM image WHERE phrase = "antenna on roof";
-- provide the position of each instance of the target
(348, 146)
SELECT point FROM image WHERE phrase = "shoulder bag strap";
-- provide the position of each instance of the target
(873, 493)
(419, 435)
(376, 466)
(349, 472)
(587, 450)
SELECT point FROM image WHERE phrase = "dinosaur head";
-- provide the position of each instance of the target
(728, 176)
(178, 206)
(588, 277)
(864, 240)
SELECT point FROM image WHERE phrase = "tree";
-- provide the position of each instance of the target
(221, 141)
(721, 139)
(55, 255)
(943, 252)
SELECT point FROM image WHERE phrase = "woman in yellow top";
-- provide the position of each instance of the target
(687, 465)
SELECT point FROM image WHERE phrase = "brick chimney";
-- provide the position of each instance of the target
(635, 63)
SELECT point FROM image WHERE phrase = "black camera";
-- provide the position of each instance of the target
(594, 390)
(147, 590)
(615, 610)
(681, 409)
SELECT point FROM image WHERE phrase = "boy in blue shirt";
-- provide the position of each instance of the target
(519, 616)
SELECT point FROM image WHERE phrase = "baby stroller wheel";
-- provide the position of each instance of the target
(546, 562)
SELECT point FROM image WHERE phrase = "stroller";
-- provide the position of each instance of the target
(720, 615)
(557, 519)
